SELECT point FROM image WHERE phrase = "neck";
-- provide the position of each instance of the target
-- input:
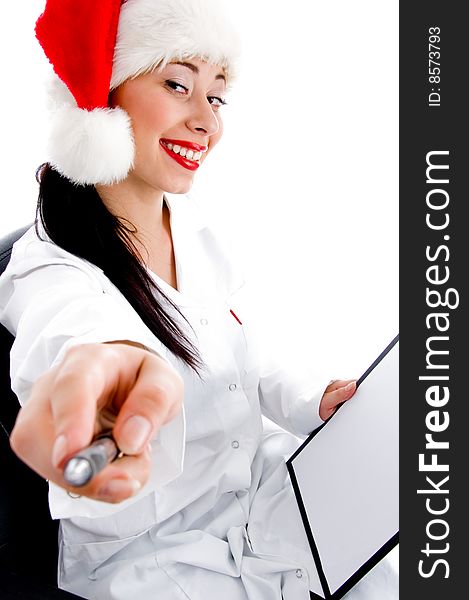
(141, 205)
(145, 211)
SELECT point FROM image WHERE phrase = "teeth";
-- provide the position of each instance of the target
(184, 152)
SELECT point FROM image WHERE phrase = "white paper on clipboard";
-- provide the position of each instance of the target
(345, 477)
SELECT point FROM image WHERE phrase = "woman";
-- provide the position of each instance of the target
(126, 307)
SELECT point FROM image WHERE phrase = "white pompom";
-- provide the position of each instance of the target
(90, 147)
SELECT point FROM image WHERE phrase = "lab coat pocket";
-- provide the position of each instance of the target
(87, 545)
(85, 560)
(239, 318)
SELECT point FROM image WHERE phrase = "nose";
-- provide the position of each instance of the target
(202, 118)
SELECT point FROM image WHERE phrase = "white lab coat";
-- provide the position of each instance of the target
(218, 517)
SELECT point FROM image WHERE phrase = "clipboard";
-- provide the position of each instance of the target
(346, 481)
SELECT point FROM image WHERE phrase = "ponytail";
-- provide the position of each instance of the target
(75, 218)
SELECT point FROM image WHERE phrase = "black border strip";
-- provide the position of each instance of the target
(433, 98)
(379, 554)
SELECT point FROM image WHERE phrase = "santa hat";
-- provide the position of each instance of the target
(94, 46)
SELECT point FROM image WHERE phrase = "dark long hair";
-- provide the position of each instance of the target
(75, 218)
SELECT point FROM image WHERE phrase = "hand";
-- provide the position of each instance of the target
(337, 391)
(97, 387)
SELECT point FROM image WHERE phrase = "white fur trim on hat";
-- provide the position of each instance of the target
(91, 147)
(153, 32)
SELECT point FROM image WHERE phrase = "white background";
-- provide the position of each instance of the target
(305, 179)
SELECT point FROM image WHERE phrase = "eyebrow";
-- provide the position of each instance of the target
(195, 69)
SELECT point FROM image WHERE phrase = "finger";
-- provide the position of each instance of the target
(58, 439)
(85, 381)
(340, 394)
(338, 383)
(154, 399)
(35, 414)
(118, 481)
(347, 390)
(331, 400)
(94, 378)
(63, 407)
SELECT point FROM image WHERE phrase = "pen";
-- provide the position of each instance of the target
(84, 465)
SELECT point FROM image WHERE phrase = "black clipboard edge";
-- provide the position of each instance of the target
(362, 571)
(359, 381)
(309, 533)
(359, 574)
(379, 554)
(388, 348)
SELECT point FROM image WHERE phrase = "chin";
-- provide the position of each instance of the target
(179, 187)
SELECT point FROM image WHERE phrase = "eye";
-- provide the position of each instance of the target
(177, 87)
(216, 101)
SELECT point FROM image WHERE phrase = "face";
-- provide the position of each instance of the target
(176, 121)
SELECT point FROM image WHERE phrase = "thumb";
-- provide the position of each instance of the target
(336, 393)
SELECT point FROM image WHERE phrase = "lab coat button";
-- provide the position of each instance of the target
(232, 387)
(299, 573)
(235, 444)
(203, 322)
(72, 495)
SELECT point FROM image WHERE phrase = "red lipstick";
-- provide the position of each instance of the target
(191, 165)
(186, 144)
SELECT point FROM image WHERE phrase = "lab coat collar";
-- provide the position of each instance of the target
(194, 215)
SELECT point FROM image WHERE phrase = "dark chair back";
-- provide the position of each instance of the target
(28, 535)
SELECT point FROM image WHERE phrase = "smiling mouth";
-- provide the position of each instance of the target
(187, 155)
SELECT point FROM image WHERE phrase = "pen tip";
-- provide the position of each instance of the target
(77, 472)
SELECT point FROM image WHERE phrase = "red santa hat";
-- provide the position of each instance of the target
(94, 46)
